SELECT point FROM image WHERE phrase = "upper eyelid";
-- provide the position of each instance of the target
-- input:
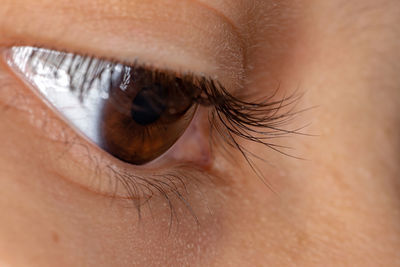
(229, 19)
(152, 41)
(59, 58)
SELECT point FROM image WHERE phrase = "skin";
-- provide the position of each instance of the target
(338, 207)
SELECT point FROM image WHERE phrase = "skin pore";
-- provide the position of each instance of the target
(338, 207)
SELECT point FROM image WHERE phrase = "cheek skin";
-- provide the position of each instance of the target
(66, 219)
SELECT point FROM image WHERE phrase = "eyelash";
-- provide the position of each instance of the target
(257, 121)
(231, 120)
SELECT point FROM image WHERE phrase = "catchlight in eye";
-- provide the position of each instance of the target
(134, 113)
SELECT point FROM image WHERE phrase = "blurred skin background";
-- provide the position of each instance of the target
(338, 207)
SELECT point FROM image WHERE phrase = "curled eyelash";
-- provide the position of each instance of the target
(259, 121)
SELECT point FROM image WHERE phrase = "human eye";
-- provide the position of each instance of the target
(133, 112)
(137, 113)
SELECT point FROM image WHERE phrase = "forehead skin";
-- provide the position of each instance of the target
(339, 207)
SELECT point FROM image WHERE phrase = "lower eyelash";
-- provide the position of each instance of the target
(171, 186)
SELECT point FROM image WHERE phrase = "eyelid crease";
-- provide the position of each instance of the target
(227, 19)
(200, 80)
(215, 50)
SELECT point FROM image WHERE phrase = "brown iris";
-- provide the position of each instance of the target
(145, 114)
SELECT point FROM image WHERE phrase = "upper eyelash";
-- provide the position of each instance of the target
(255, 121)
(231, 118)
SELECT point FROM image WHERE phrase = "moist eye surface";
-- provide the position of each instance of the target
(134, 113)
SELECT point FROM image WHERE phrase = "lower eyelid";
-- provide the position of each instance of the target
(76, 160)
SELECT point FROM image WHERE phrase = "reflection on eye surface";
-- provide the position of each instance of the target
(134, 113)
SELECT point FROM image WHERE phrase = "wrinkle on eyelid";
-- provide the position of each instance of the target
(222, 14)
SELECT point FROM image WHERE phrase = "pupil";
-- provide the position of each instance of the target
(149, 104)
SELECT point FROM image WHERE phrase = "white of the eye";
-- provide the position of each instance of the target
(48, 72)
